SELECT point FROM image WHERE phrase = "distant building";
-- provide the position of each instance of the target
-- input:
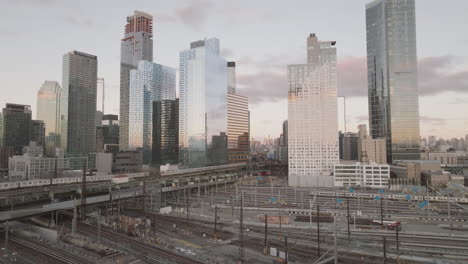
(150, 82)
(38, 132)
(127, 161)
(33, 150)
(30, 168)
(435, 178)
(16, 126)
(231, 72)
(107, 133)
(371, 149)
(350, 146)
(411, 169)
(48, 106)
(78, 103)
(137, 45)
(445, 158)
(312, 116)
(392, 77)
(238, 128)
(283, 149)
(360, 174)
(165, 133)
(202, 105)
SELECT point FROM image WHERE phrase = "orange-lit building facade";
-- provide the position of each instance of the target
(238, 128)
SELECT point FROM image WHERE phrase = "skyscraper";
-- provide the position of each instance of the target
(231, 72)
(165, 132)
(16, 126)
(78, 104)
(312, 116)
(202, 105)
(392, 76)
(238, 127)
(48, 106)
(150, 82)
(38, 132)
(136, 45)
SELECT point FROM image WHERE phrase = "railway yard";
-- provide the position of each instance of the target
(256, 220)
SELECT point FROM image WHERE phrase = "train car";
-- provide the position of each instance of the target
(118, 179)
(9, 185)
(390, 225)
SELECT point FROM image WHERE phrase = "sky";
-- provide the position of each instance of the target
(262, 36)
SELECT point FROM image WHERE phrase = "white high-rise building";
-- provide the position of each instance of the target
(203, 91)
(313, 116)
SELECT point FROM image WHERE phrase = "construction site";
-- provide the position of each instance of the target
(240, 215)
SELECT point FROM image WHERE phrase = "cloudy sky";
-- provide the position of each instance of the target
(262, 36)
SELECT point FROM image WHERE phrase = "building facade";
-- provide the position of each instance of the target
(359, 174)
(78, 103)
(313, 116)
(392, 76)
(15, 127)
(48, 106)
(238, 131)
(202, 105)
(136, 45)
(150, 82)
(38, 132)
(350, 146)
(231, 72)
(371, 149)
(165, 133)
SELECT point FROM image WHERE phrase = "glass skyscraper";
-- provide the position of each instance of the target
(313, 116)
(202, 106)
(150, 82)
(165, 132)
(392, 76)
(78, 103)
(48, 106)
(136, 45)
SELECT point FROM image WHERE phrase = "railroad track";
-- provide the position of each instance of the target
(137, 245)
(46, 251)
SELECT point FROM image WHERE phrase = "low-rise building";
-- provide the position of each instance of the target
(29, 168)
(360, 174)
(435, 178)
(127, 161)
(445, 158)
(411, 169)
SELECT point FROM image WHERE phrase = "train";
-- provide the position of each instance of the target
(60, 181)
(391, 196)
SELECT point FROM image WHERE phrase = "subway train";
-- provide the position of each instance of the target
(60, 181)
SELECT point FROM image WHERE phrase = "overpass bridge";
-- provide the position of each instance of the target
(22, 203)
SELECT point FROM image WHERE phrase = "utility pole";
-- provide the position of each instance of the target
(154, 220)
(318, 230)
(216, 222)
(286, 249)
(99, 226)
(449, 213)
(187, 207)
(381, 213)
(335, 240)
(384, 250)
(83, 192)
(241, 230)
(265, 247)
(74, 217)
(232, 203)
(347, 208)
(6, 235)
(397, 245)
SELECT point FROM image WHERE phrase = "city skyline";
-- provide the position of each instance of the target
(258, 75)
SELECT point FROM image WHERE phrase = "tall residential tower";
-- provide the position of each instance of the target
(392, 77)
(136, 45)
(312, 116)
(78, 103)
